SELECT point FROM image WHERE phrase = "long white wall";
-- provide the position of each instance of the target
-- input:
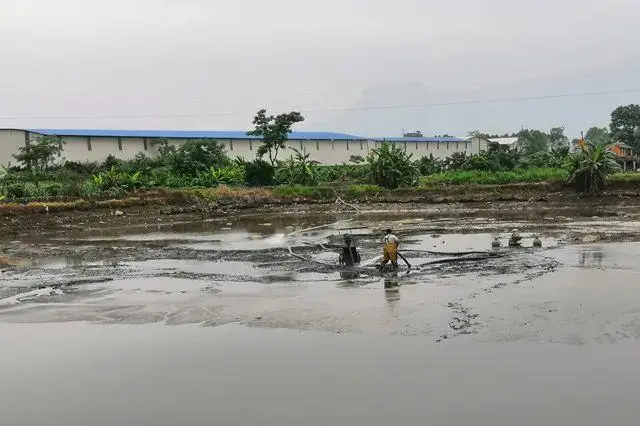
(10, 141)
(83, 149)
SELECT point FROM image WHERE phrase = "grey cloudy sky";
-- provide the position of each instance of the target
(197, 64)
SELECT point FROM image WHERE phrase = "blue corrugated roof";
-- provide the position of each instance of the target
(216, 134)
(183, 134)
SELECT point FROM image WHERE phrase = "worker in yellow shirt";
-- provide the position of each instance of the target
(390, 251)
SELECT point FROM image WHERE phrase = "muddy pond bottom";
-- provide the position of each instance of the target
(182, 327)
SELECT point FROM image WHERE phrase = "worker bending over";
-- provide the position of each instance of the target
(537, 242)
(349, 255)
(390, 250)
(514, 240)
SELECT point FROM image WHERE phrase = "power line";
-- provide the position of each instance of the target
(483, 101)
(341, 109)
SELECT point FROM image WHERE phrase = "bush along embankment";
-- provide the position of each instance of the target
(201, 171)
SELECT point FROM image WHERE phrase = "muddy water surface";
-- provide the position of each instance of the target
(215, 322)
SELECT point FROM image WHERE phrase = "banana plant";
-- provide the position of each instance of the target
(591, 165)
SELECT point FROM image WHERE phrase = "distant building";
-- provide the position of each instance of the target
(622, 150)
(87, 145)
(625, 156)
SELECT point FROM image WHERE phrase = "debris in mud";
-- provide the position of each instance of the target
(210, 289)
(461, 323)
(458, 323)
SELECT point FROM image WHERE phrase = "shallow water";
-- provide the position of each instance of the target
(76, 375)
(223, 326)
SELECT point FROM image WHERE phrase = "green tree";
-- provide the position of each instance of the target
(533, 141)
(164, 148)
(625, 125)
(456, 161)
(259, 173)
(590, 166)
(430, 165)
(598, 135)
(557, 138)
(197, 155)
(391, 167)
(274, 131)
(40, 154)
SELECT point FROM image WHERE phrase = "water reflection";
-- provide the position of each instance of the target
(591, 258)
(349, 275)
(392, 290)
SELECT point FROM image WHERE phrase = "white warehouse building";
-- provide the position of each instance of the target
(88, 145)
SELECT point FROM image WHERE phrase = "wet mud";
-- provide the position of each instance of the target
(281, 271)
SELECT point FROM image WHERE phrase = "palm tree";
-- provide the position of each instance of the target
(590, 166)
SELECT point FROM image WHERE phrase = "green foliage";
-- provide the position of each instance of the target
(274, 131)
(556, 158)
(163, 177)
(34, 190)
(479, 134)
(141, 162)
(624, 177)
(297, 170)
(533, 141)
(590, 167)
(111, 162)
(341, 173)
(195, 155)
(81, 169)
(360, 190)
(391, 167)
(495, 178)
(495, 158)
(430, 165)
(557, 138)
(598, 135)
(259, 173)
(625, 125)
(231, 175)
(356, 159)
(456, 161)
(163, 147)
(40, 154)
(538, 156)
(116, 181)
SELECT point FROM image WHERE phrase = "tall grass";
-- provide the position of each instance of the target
(625, 177)
(477, 177)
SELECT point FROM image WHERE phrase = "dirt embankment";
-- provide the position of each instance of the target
(18, 220)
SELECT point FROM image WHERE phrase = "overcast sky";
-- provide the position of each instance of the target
(210, 64)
